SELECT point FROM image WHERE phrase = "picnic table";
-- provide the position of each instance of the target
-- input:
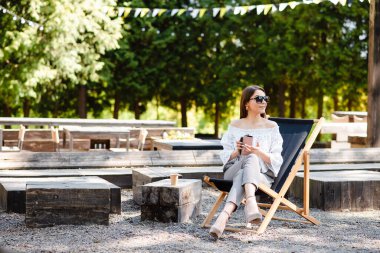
(351, 114)
(186, 144)
(72, 131)
(9, 121)
(343, 131)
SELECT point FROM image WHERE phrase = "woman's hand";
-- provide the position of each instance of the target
(257, 151)
(237, 151)
(252, 149)
(239, 146)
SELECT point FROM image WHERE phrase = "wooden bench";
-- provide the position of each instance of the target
(62, 203)
(343, 131)
(13, 191)
(40, 140)
(332, 168)
(354, 190)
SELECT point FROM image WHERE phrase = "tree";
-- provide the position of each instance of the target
(66, 53)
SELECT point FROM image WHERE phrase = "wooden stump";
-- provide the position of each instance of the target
(341, 190)
(49, 204)
(167, 203)
(12, 191)
(148, 175)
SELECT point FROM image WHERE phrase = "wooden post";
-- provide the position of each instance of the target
(306, 186)
(373, 129)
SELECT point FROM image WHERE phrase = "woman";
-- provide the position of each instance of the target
(248, 165)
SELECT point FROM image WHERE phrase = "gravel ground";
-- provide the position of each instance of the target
(339, 232)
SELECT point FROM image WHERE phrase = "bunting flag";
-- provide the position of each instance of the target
(216, 11)
(22, 20)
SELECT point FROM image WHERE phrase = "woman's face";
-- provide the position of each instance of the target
(258, 102)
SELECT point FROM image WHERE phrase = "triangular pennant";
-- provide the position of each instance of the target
(282, 6)
(251, 7)
(174, 11)
(274, 8)
(194, 13)
(222, 12)
(111, 12)
(120, 11)
(244, 11)
(343, 2)
(137, 12)
(155, 12)
(202, 12)
(215, 12)
(181, 11)
(294, 4)
(105, 10)
(259, 9)
(162, 11)
(237, 10)
(127, 11)
(144, 11)
(307, 1)
(334, 1)
(267, 8)
(317, 1)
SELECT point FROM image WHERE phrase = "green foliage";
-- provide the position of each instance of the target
(311, 60)
(52, 61)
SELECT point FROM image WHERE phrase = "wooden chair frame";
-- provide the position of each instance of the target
(20, 141)
(279, 200)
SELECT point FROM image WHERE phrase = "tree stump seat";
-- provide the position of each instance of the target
(167, 203)
(142, 176)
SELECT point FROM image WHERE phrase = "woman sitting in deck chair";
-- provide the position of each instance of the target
(251, 155)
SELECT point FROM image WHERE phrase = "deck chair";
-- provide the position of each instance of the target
(20, 141)
(295, 151)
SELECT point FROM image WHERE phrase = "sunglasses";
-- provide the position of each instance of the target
(260, 99)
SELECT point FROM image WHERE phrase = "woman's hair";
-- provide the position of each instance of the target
(245, 97)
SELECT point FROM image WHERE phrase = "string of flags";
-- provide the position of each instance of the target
(214, 12)
(16, 17)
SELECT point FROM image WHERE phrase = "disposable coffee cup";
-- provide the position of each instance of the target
(174, 179)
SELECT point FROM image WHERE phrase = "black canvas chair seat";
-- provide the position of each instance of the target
(294, 133)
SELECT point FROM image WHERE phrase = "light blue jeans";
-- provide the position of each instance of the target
(246, 170)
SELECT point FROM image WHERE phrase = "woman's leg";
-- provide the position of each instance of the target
(251, 179)
(235, 174)
(234, 196)
(217, 229)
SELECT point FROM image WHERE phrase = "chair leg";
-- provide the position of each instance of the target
(213, 210)
(269, 216)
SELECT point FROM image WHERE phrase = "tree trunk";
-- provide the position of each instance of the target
(137, 110)
(373, 127)
(216, 120)
(303, 104)
(183, 112)
(335, 99)
(293, 102)
(281, 100)
(116, 106)
(320, 102)
(82, 101)
(26, 107)
(7, 110)
(157, 106)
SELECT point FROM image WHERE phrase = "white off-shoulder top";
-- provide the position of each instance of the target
(269, 139)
